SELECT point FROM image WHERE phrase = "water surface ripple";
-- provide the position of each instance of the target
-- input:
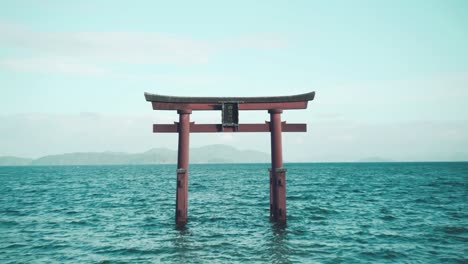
(337, 213)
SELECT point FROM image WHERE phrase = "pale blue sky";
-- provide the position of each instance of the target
(384, 72)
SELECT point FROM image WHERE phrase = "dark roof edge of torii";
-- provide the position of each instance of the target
(207, 100)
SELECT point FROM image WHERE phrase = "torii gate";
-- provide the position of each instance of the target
(230, 107)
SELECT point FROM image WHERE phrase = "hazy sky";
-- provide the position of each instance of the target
(391, 77)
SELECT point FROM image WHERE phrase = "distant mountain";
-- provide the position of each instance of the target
(226, 154)
(14, 161)
(206, 154)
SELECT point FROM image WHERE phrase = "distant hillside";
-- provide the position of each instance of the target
(206, 154)
(14, 161)
(226, 154)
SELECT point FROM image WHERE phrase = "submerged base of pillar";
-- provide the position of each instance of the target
(278, 195)
(181, 213)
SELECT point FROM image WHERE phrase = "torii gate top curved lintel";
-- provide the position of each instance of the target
(230, 107)
(163, 102)
(203, 100)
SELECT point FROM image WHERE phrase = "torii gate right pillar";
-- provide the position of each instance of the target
(277, 172)
(183, 167)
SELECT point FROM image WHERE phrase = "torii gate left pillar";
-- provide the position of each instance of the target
(230, 107)
(183, 167)
(277, 172)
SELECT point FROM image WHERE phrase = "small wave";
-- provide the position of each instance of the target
(320, 210)
(420, 200)
(8, 222)
(79, 222)
(13, 212)
(15, 245)
(127, 251)
(455, 230)
(317, 217)
(50, 246)
(384, 253)
(388, 217)
(295, 197)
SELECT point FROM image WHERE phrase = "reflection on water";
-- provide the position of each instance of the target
(181, 243)
(280, 252)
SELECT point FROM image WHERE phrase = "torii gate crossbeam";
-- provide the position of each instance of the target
(230, 107)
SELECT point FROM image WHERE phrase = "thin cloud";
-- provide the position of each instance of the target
(107, 47)
(64, 65)
(94, 52)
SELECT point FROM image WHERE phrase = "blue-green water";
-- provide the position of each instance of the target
(337, 213)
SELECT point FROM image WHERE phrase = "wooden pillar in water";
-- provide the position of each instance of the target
(277, 172)
(183, 167)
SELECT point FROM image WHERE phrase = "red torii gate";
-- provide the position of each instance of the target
(230, 107)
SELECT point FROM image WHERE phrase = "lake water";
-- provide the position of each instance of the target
(337, 213)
